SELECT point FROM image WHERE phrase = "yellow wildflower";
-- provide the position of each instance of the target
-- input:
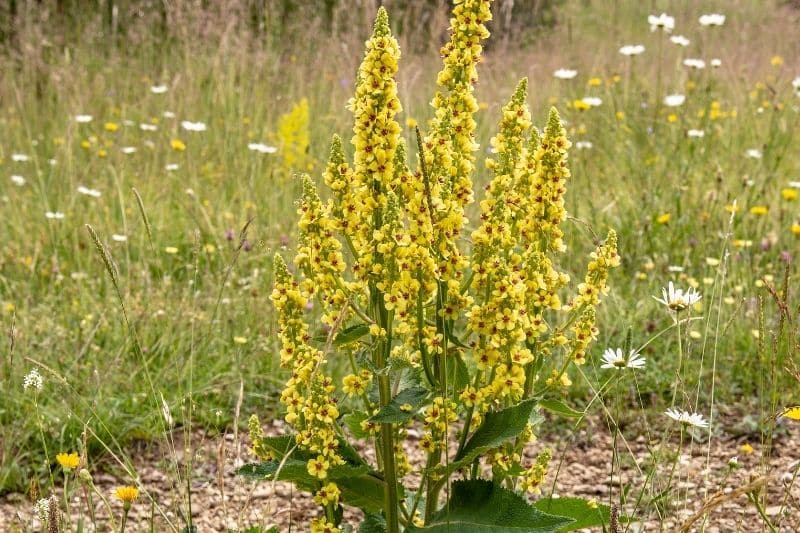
(68, 461)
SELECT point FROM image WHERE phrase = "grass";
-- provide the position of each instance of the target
(199, 326)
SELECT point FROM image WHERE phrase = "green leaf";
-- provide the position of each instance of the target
(480, 506)
(360, 488)
(353, 423)
(498, 427)
(392, 412)
(280, 445)
(350, 334)
(560, 408)
(365, 492)
(372, 523)
(578, 509)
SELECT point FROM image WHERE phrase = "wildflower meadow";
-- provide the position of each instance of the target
(468, 265)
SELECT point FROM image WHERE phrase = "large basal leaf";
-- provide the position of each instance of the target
(498, 427)
(402, 407)
(480, 506)
(584, 515)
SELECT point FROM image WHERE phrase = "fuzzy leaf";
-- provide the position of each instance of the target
(578, 509)
(372, 523)
(353, 422)
(498, 427)
(480, 506)
(350, 334)
(392, 413)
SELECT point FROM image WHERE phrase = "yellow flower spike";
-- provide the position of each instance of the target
(68, 461)
(293, 138)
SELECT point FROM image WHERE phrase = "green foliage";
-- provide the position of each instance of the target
(480, 506)
(583, 514)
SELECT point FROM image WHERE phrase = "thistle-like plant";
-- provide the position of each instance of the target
(461, 340)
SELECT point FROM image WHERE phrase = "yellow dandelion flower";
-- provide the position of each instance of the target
(68, 461)
(672, 118)
(177, 145)
(789, 194)
(746, 448)
(795, 229)
(411, 122)
(111, 126)
(580, 105)
(595, 82)
(102, 152)
(126, 494)
(663, 218)
(620, 115)
(759, 210)
(776, 61)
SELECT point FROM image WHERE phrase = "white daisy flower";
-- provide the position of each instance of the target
(677, 299)
(18, 180)
(20, 158)
(171, 167)
(89, 192)
(128, 149)
(680, 40)
(158, 89)
(632, 49)
(262, 148)
(712, 19)
(796, 84)
(754, 153)
(128, 122)
(616, 359)
(686, 418)
(33, 380)
(794, 184)
(168, 114)
(716, 62)
(565, 73)
(144, 126)
(119, 237)
(592, 101)
(193, 126)
(698, 134)
(583, 145)
(674, 100)
(54, 215)
(83, 119)
(699, 64)
(662, 21)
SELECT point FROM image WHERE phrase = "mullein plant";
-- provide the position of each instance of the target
(463, 340)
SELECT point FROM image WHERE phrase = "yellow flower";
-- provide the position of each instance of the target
(240, 340)
(776, 61)
(68, 461)
(732, 208)
(411, 122)
(580, 105)
(789, 194)
(620, 115)
(672, 118)
(111, 126)
(663, 218)
(795, 229)
(759, 210)
(177, 145)
(101, 153)
(126, 494)
(746, 448)
(171, 250)
(595, 82)
(318, 467)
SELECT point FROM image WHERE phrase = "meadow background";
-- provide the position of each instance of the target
(210, 109)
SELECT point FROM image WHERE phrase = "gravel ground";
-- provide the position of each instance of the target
(222, 501)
